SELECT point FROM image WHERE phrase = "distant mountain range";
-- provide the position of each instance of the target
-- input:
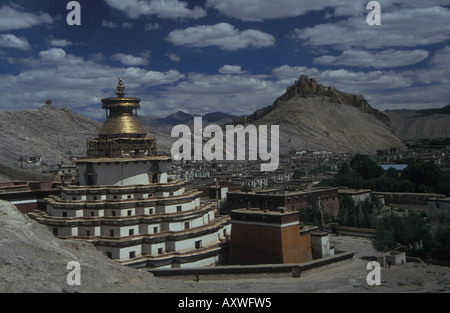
(427, 123)
(165, 124)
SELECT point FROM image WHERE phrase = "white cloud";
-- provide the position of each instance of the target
(260, 10)
(152, 26)
(109, 24)
(231, 69)
(12, 19)
(383, 59)
(222, 35)
(173, 57)
(152, 78)
(399, 28)
(52, 54)
(73, 82)
(60, 43)
(131, 60)
(202, 93)
(12, 41)
(172, 9)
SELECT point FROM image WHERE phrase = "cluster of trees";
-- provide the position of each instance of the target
(362, 214)
(410, 231)
(315, 171)
(413, 235)
(418, 176)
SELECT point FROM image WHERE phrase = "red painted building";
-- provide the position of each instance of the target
(271, 199)
(268, 237)
(27, 196)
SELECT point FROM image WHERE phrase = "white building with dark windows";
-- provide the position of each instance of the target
(126, 205)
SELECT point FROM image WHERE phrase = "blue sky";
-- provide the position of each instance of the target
(233, 56)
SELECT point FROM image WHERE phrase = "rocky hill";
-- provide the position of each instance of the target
(312, 116)
(53, 133)
(33, 260)
(428, 123)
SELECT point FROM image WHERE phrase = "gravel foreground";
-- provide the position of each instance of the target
(33, 260)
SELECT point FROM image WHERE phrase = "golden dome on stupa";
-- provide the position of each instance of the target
(121, 116)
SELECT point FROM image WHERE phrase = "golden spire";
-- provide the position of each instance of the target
(120, 89)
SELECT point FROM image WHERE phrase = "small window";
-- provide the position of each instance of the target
(115, 197)
(74, 198)
(111, 233)
(92, 214)
(198, 244)
(95, 198)
(55, 231)
(131, 232)
(132, 254)
(129, 196)
(129, 212)
(64, 214)
(160, 250)
(88, 233)
(186, 225)
(109, 255)
(179, 208)
(155, 230)
(113, 213)
(150, 211)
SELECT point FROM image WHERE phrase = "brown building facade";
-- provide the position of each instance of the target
(272, 199)
(267, 237)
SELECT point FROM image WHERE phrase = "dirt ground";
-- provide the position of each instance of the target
(344, 277)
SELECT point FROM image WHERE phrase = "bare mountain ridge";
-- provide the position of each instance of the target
(56, 133)
(312, 116)
(428, 123)
(306, 87)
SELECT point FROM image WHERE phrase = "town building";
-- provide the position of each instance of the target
(358, 195)
(126, 205)
(28, 196)
(274, 237)
(272, 199)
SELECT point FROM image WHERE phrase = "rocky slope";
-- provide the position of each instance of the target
(429, 123)
(312, 116)
(52, 132)
(33, 260)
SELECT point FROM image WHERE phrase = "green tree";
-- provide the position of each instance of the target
(409, 232)
(365, 167)
(441, 250)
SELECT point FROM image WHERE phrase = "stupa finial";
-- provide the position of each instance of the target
(120, 89)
